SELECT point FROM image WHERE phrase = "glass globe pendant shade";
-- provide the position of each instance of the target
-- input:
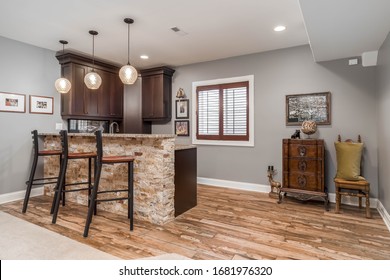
(92, 80)
(128, 74)
(62, 85)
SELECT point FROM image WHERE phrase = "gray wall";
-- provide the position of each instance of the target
(28, 70)
(383, 82)
(278, 73)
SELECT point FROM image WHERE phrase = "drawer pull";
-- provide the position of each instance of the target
(302, 181)
(302, 151)
(302, 165)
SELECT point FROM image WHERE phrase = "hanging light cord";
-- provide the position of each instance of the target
(63, 51)
(63, 42)
(128, 44)
(93, 52)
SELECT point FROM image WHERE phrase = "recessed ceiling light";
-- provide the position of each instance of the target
(144, 56)
(280, 28)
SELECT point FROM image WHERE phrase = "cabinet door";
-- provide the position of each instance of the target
(103, 94)
(93, 96)
(116, 96)
(152, 97)
(79, 94)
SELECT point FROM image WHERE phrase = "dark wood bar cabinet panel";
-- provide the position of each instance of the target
(185, 180)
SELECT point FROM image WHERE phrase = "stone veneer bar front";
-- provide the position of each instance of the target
(154, 172)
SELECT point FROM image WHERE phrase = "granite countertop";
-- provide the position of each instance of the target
(114, 135)
(184, 147)
(124, 135)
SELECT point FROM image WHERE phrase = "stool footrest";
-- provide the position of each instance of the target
(111, 199)
(75, 190)
(113, 191)
(75, 184)
(45, 183)
(42, 179)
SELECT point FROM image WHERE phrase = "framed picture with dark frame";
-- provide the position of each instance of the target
(41, 104)
(182, 128)
(182, 111)
(310, 106)
(12, 102)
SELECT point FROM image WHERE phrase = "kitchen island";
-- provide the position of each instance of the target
(154, 171)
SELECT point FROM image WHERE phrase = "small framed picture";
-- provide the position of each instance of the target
(182, 128)
(12, 102)
(182, 109)
(41, 104)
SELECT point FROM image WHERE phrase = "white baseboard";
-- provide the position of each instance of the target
(9, 197)
(385, 215)
(234, 185)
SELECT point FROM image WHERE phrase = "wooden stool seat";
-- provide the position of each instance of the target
(117, 159)
(357, 184)
(49, 153)
(81, 155)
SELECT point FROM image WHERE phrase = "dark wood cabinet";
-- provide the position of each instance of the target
(132, 111)
(104, 103)
(303, 169)
(157, 94)
(185, 180)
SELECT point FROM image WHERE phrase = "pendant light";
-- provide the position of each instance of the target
(92, 80)
(62, 84)
(128, 74)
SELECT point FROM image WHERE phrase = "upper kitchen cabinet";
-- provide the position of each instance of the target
(81, 102)
(157, 94)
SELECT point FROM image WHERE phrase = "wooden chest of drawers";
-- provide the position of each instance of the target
(303, 169)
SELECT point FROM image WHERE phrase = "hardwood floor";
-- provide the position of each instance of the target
(226, 224)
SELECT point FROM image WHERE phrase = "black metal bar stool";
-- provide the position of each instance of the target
(130, 189)
(38, 181)
(60, 187)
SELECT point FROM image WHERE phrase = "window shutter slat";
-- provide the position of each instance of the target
(208, 112)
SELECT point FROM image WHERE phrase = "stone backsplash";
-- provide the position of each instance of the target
(153, 174)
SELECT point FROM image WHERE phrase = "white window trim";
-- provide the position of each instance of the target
(251, 141)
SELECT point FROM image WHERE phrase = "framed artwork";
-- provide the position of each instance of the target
(12, 102)
(311, 106)
(182, 128)
(41, 104)
(182, 109)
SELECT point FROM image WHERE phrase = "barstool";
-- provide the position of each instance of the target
(130, 190)
(60, 187)
(38, 181)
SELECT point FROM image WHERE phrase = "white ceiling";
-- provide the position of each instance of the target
(345, 28)
(215, 28)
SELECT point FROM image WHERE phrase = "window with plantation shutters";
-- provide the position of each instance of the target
(223, 112)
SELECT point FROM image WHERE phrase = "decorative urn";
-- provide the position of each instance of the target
(309, 127)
